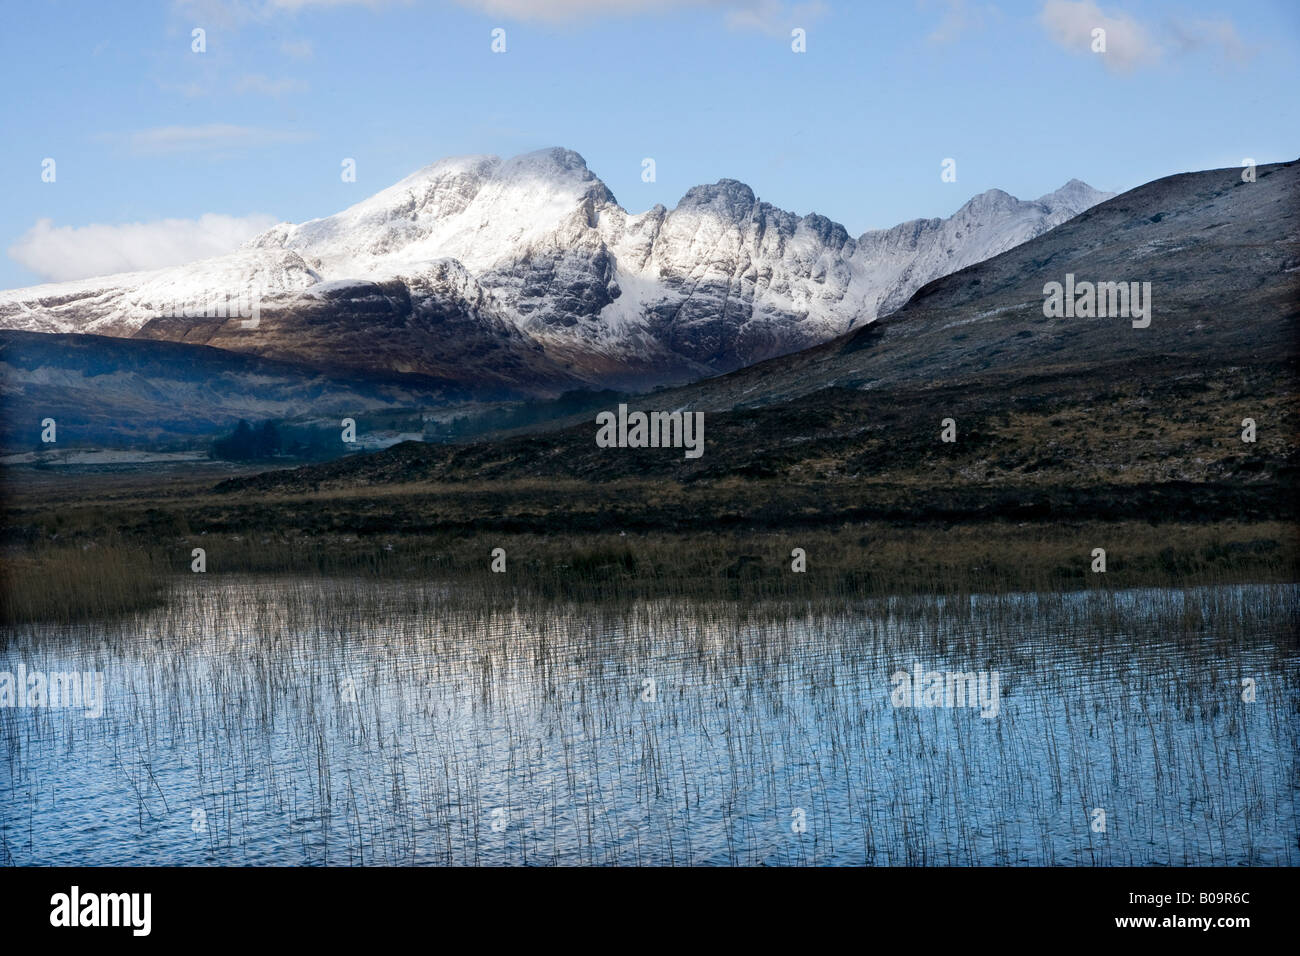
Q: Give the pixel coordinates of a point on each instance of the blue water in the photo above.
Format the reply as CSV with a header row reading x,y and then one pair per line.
x,y
255,722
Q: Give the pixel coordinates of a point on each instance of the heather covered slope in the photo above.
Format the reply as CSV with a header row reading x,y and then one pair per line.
x,y
1222,256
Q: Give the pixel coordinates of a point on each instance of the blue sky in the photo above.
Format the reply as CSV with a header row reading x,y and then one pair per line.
x,y
163,154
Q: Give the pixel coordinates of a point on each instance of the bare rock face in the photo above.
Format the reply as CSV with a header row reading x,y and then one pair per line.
x,y
527,274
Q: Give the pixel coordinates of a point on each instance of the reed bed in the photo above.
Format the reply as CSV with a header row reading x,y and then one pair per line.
x,y
93,580
86,581
357,722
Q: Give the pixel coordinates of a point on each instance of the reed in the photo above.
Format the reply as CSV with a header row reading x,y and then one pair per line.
x,y
354,721
89,580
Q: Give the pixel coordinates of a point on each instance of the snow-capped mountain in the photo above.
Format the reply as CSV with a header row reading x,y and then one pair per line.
x,y
527,271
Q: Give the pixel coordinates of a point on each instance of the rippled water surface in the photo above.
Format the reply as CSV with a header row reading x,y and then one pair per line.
x,y
352,723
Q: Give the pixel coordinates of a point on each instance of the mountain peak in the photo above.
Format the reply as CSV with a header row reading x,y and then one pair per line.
x,y
991,198
1076,196
536,247
553,159
728,192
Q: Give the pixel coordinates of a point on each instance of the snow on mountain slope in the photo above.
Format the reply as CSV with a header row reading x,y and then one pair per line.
x,y
896,262
545,256
120,304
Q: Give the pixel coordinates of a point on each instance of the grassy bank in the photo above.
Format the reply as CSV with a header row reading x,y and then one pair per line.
x,y
849,563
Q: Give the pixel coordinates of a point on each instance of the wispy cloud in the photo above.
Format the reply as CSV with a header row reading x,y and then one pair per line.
x,y
300,49
60,253
1132,44
1128,43
209,136
260,83
300,4
773,17
190,90
960,19
576,9
1217,36
232,13
220,13
768,16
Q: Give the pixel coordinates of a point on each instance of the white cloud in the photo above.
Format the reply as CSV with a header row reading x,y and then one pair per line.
x,y
572,9
233,13
210,136
1128,43
769,16
60,253
960,19
1131,44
